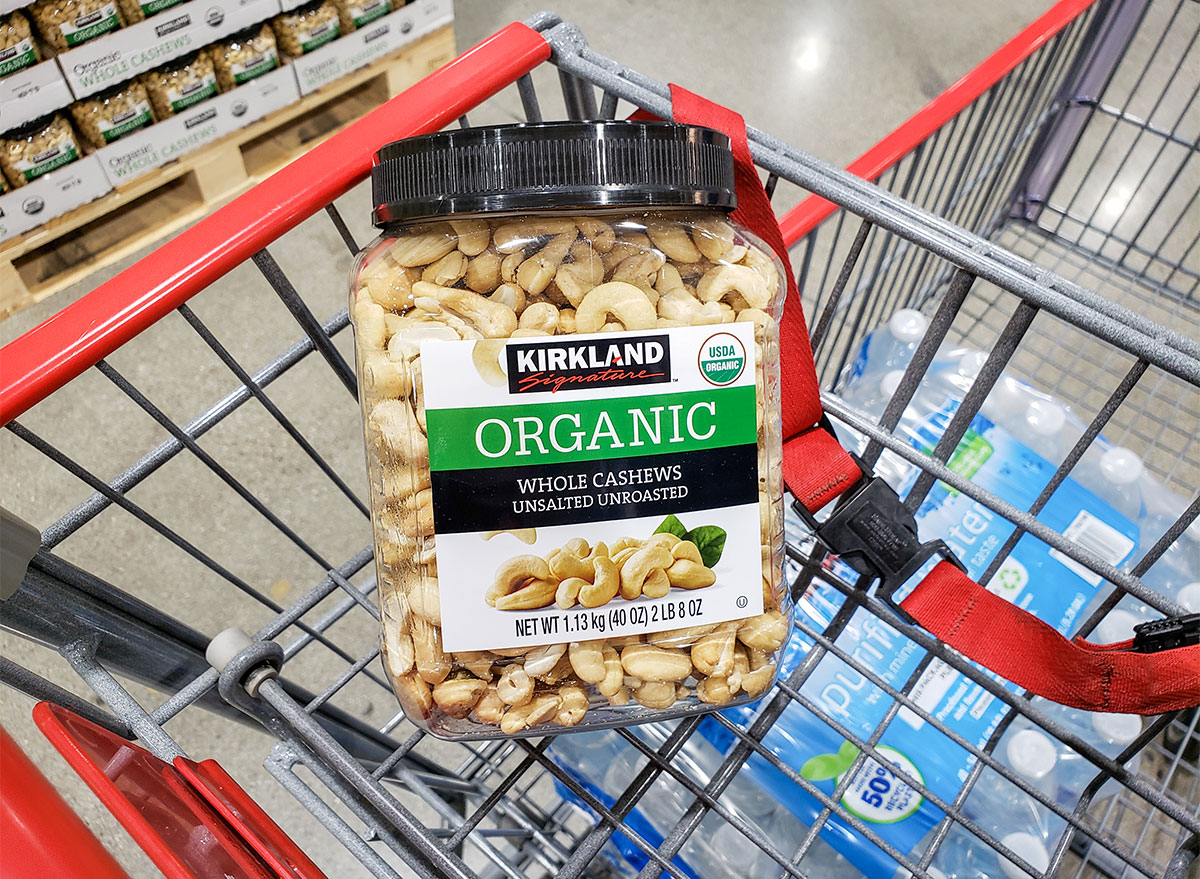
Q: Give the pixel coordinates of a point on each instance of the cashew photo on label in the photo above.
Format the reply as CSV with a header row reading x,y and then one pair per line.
x,y
492,280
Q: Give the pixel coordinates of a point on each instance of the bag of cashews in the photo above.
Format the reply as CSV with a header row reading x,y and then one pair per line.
x,y
568,366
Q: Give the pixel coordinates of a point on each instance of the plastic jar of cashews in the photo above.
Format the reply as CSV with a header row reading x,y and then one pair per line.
x,y
568,366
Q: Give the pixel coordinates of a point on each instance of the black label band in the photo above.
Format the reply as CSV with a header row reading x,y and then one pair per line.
x,y
594,491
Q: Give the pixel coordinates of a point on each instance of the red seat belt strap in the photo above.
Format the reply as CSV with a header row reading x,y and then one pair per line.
x,y
1021,648
977,623
807,449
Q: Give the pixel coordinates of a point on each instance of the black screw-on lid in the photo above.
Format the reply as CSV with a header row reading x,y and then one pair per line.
x,y
549,166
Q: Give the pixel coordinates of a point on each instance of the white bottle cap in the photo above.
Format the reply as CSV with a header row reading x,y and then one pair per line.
x,y
908,325
970,363
1117,626
1030,849
1045,417
1189,596
890,381
1121,466
1006,399
1120,729
1031,753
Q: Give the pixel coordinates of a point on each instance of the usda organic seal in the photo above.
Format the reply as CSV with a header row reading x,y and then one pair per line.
x,y
721,359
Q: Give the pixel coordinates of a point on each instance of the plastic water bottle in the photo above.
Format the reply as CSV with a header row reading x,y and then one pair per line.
x,y
1116,480
1005,405
1043,429
999,806
890,346
1110,734
1189,597
962,855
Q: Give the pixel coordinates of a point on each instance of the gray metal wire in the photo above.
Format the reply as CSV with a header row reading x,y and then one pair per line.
x,y
949,231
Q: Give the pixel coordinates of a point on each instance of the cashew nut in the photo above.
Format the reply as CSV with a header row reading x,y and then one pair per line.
x,y
573,704
510,296
540,316
514,236
687,574
424,600
638,566
491,318
625,302
538,710
540,660
767,631
515,686
606,583
490,707
532,595
525,535
673,240
432,664
473,235
483,273
422,248
723,280
652,663
446,270
536,273
514,573
457,696
587,660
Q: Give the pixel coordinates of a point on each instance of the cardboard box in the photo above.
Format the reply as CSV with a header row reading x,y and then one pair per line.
x,y
108,60
152,147
382,36
51,195
32,92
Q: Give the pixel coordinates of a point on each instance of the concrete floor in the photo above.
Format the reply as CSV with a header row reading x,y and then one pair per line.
x,y
831,76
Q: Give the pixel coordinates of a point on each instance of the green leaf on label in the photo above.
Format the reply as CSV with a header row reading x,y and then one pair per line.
x,y
821,767
671,525
710,540
848,753
826,766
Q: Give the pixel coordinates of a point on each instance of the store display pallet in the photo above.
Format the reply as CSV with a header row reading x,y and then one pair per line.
x,y
53,256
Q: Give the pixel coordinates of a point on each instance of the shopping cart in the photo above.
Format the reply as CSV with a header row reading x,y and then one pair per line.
x,y
989,210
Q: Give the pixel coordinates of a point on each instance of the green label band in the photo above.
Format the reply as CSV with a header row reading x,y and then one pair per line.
x,y
331,33
591,430
155,6
65,157
368,12
265,64
195,97
17,59
91,31
121,129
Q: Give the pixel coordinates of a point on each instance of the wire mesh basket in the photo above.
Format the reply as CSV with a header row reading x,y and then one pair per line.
x,y
1043,210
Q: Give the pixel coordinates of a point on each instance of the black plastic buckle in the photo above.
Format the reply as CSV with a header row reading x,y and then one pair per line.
x,y
872,531
1167,634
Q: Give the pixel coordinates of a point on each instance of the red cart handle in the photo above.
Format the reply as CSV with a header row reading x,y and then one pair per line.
x,y
871,527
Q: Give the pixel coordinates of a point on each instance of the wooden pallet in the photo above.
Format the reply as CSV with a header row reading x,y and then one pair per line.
x,y
69,248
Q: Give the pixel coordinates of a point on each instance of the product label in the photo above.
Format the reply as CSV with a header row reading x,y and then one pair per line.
x,y
244,71
364,13
90,25
192,93
17,57
156,6
47,160
137,116
319,35
606,438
